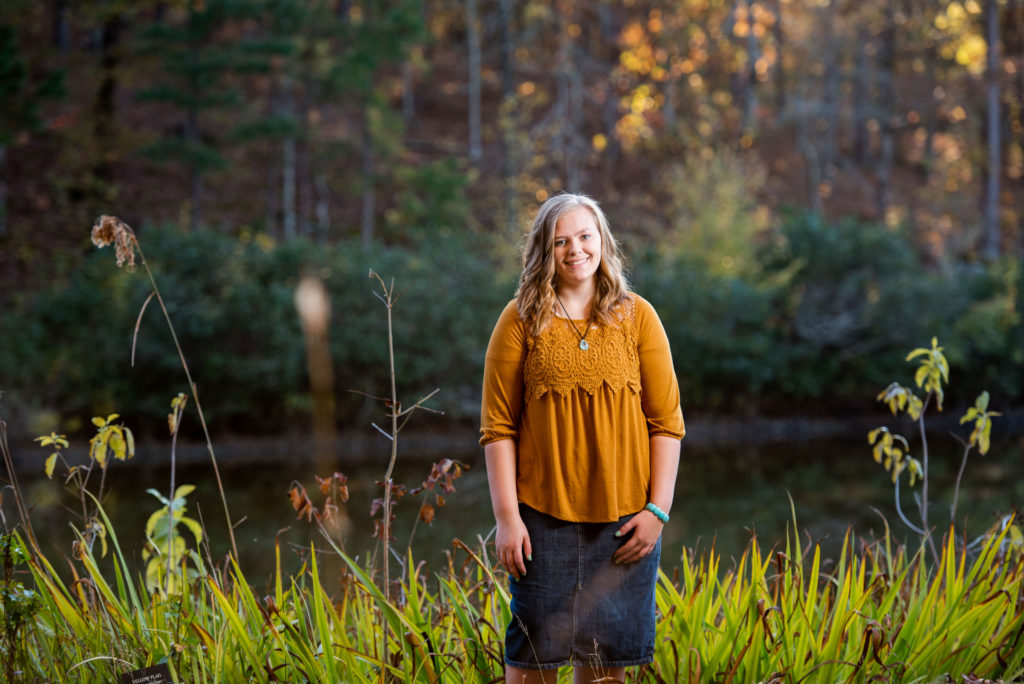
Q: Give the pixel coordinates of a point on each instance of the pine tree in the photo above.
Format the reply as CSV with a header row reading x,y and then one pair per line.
x,y
198,63
21,99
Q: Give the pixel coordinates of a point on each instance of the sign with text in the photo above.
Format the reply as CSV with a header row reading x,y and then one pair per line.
x,y
158,674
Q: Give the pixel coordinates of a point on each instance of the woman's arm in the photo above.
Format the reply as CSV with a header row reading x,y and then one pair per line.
x,y
512,541
645,526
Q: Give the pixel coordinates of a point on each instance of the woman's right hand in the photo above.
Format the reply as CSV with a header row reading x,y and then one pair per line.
x,y
512,542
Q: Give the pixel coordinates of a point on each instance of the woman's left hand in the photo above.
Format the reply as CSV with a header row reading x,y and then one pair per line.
x,y
646,529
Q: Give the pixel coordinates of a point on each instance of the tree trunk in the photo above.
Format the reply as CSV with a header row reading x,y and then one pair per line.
x,y
573,171
990,231
289,214
195,215
565,117
507,119
369,182
750,84
930,116
473,40
105,107
408,91
861,108
780,69
322,205
669,110
830,97
289,204
3,191
812,163
62,26
887,108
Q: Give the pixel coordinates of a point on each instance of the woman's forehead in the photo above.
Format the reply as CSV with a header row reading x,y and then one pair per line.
x,y
574,221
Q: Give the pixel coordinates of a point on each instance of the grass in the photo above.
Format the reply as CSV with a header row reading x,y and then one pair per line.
x,y
881,614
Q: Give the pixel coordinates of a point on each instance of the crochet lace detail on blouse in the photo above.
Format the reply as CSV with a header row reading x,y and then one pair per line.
x,y
555,362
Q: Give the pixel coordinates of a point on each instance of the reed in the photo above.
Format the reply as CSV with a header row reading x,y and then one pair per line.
x,y
882,614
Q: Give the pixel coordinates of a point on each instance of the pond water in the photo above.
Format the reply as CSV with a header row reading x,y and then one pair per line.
x,y
725,494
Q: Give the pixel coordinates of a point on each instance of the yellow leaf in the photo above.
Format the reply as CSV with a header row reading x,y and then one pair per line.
x,y
50,463
99,448
99,422
130,438
117,445
183,491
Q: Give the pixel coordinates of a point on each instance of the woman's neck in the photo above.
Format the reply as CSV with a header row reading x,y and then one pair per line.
x,y
577,300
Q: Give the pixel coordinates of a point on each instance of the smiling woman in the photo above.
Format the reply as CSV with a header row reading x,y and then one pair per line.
x,y
580,425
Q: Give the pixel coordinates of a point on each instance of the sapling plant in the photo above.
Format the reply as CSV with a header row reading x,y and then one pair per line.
x,y
112,440
893,450
439,482
166,550
398,417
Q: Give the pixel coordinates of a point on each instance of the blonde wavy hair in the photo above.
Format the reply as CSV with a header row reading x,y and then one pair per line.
x,y
535,296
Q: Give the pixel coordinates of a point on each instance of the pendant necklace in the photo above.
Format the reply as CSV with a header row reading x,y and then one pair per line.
x,y
584,345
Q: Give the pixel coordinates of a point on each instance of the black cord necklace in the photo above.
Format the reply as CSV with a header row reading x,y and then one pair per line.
x,y
584,345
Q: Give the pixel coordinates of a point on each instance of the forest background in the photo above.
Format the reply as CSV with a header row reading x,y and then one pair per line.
x,y
805,189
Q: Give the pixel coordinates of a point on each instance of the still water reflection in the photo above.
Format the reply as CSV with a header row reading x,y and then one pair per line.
x,y
724,495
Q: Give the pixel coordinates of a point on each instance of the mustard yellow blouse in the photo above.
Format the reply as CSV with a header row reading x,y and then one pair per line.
x,y
582,420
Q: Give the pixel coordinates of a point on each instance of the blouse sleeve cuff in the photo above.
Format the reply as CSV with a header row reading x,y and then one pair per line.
x,y
492,436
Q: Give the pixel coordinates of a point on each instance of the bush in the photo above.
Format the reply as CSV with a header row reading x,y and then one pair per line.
x,y
824,312
232,304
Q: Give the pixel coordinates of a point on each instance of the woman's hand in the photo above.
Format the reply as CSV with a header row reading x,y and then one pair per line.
x,y
512,542
646,529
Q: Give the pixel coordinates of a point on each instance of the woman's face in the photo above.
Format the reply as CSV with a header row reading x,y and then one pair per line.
x,y
577,248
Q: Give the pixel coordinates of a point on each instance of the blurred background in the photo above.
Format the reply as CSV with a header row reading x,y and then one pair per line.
x,y
805,189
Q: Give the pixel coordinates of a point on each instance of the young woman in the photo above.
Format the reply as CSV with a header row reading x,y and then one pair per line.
x,y
580,424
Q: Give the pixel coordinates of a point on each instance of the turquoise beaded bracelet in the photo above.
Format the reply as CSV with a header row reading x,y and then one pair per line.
x,y
662,515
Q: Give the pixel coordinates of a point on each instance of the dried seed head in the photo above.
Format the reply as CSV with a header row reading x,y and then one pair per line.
x,y
111,230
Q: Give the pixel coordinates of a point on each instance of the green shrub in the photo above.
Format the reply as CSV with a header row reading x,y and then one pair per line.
x,y
232,304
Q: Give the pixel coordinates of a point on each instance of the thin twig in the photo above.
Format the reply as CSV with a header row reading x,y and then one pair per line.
x,y
195,396
899,510
959,476
923,504
138,322
369,396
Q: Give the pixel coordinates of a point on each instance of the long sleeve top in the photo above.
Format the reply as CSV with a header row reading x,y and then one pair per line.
x,y
581,419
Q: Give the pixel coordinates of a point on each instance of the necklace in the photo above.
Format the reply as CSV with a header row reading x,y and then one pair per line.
x,y
584,345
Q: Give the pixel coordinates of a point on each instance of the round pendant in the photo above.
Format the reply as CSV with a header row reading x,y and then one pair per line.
x,y
584,345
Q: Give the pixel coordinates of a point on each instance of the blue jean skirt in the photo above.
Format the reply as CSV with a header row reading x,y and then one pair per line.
x,y
575,606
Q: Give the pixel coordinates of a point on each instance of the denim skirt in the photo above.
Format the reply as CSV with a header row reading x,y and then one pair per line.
x,y
574,605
